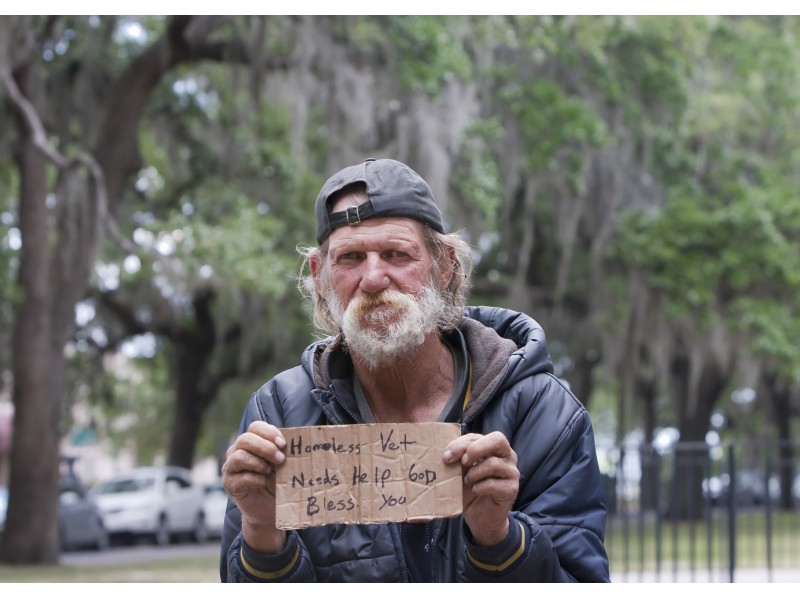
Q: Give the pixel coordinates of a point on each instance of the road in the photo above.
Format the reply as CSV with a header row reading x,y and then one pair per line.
x,y
119,554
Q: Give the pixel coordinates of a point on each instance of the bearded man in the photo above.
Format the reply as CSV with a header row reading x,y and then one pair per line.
x,y
388,286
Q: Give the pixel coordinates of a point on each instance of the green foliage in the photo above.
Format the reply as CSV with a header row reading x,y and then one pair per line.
x,y
142,415
581,109
736,260
428,49
724,244
223,417
641,69
651,64
237,208
242,249
773,331
554,126
699,254
477,179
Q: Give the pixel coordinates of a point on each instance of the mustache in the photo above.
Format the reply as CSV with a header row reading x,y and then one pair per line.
x,y
372,300
384,299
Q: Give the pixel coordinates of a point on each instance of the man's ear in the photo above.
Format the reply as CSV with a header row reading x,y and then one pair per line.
x,y
448,267
314,268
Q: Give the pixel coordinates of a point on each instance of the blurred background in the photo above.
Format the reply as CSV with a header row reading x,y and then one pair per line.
x,y
630,182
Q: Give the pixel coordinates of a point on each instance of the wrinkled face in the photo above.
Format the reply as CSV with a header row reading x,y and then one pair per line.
x,y
377,281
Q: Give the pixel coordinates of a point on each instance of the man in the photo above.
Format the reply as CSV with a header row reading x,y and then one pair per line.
x,y
387,283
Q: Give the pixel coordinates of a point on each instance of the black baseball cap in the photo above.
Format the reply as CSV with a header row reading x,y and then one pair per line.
x,y
393,190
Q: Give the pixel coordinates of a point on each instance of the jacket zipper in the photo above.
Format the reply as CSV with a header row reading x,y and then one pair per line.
x,y
427,548
352,416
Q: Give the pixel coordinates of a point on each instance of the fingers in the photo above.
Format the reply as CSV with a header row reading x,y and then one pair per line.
x,y
500,483
489,464
237,484
473,448
252,458
262,439
491,468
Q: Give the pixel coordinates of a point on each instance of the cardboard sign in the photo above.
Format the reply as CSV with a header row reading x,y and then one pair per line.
x,y
374,473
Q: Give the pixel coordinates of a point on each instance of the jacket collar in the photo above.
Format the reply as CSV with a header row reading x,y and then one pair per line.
x,y
486,352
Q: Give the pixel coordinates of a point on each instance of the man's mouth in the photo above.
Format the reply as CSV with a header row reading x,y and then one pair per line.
x,y
379,314
377,310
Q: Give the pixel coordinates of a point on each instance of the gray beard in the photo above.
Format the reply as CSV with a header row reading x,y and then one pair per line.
x,y
379,337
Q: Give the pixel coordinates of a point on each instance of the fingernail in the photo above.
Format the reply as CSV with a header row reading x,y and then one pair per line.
x,y
465,459
447,456
280,441
279,456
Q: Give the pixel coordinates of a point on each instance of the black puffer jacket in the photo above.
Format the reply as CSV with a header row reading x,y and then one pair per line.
x,y
560,502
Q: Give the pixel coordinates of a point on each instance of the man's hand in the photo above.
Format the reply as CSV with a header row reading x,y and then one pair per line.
x,y
248,477
491,483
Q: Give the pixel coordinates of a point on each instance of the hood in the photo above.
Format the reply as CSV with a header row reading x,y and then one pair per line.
x,y
506,347
521,329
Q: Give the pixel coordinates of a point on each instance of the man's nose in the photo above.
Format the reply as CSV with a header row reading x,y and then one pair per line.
x,y
374,278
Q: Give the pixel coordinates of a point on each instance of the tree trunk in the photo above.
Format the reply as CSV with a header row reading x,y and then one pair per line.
x,y
582,379
779,393
195,389
55,264
647,392
691,454
191,402
31,530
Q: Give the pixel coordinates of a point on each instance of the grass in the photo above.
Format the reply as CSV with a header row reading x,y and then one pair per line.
x,y
201,569
645,545
633,546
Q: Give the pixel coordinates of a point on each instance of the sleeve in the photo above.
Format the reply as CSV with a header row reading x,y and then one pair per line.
x,y
560,508
292,565
238,562
494,561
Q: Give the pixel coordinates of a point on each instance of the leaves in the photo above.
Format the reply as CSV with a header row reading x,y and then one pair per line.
x,y
595,161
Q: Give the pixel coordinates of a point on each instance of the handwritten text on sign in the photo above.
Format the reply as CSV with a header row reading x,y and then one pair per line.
x,y
373,473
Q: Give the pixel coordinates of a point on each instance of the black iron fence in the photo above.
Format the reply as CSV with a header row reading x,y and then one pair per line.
x,y
694,512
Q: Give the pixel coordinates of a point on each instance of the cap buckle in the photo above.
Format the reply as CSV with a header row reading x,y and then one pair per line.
x,y
352,211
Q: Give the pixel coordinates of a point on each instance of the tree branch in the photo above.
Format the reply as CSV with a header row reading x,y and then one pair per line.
x,y
41,141
31,116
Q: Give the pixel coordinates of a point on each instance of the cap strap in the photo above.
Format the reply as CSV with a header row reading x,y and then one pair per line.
x,y
352,216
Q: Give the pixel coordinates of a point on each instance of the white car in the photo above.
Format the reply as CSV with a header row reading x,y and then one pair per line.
x,y
216,501
157,502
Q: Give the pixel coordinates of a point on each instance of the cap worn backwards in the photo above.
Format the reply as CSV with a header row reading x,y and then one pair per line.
x,y
393,190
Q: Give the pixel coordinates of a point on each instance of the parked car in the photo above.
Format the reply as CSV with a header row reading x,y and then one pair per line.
x,y
3,506
157,502
216,500
80,522
752,489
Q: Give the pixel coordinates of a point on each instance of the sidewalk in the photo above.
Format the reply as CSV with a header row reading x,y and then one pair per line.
x,y
704,576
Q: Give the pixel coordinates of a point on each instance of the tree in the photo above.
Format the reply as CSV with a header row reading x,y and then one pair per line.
x,y
69,158
627,181
717,260
116,77
220,301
